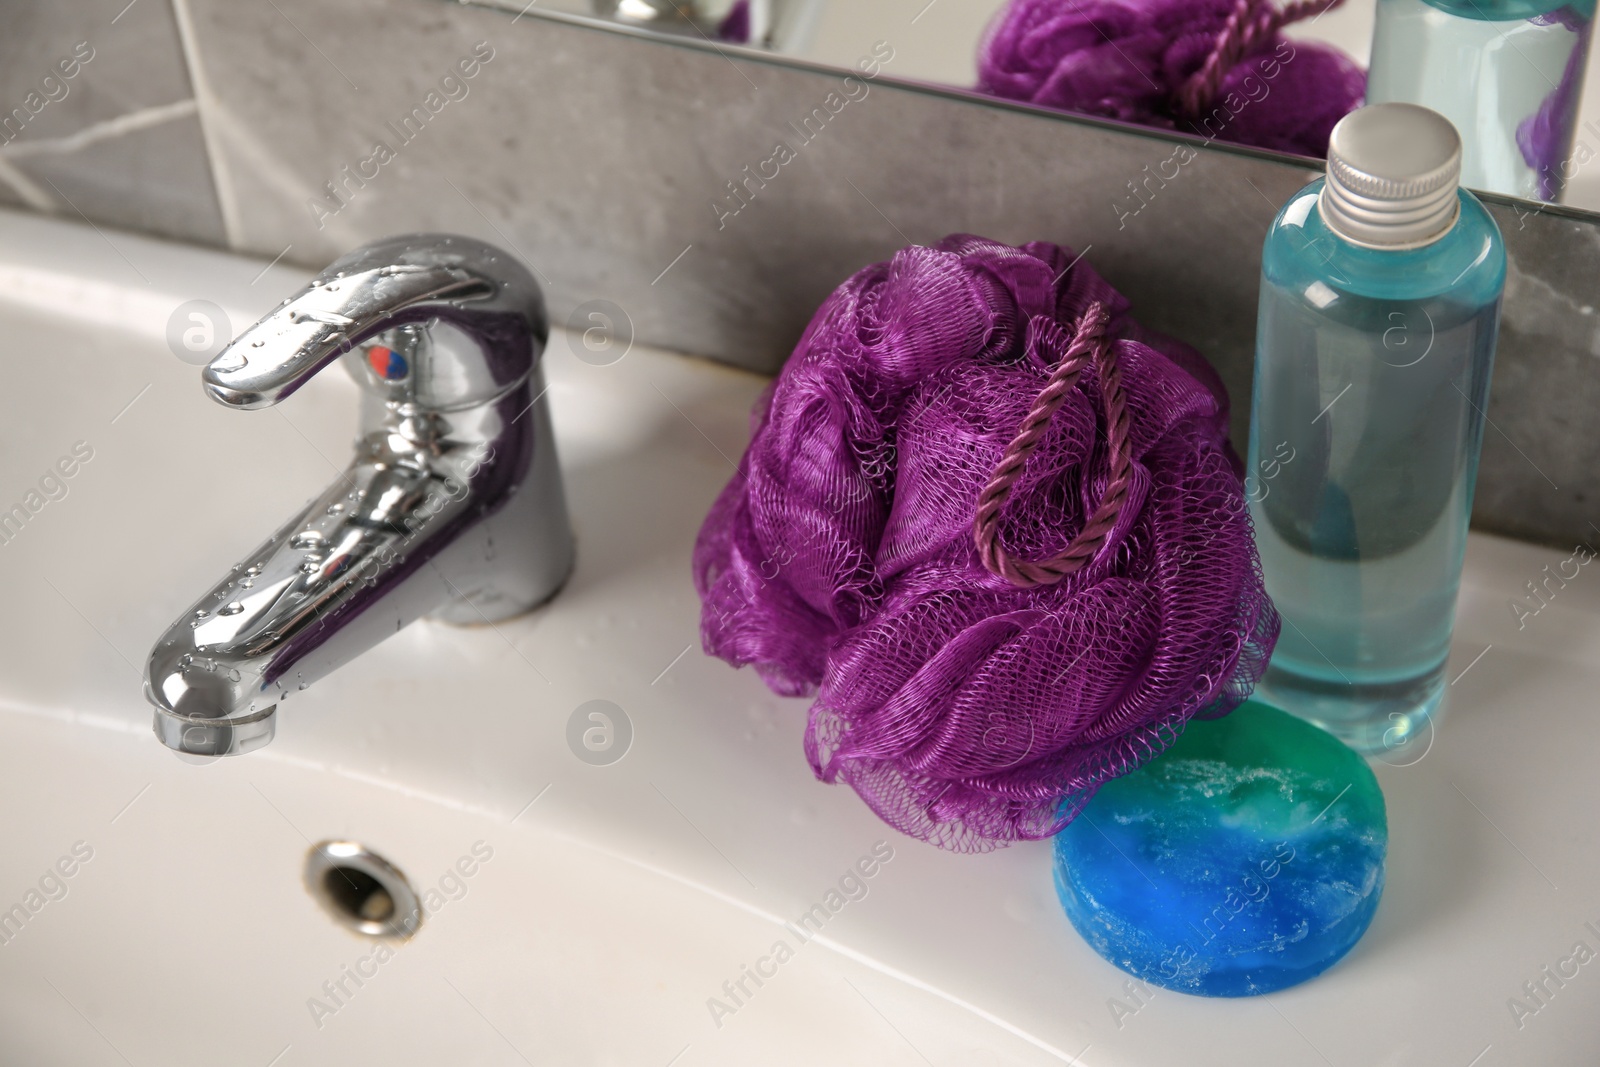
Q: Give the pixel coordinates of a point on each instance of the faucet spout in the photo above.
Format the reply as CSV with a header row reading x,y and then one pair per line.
x,y
452,507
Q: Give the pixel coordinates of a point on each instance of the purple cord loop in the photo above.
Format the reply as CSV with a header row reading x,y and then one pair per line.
x,y
1251,24
1088,344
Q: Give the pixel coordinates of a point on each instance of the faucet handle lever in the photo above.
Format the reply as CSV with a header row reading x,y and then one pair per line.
x,y
330,316
416,279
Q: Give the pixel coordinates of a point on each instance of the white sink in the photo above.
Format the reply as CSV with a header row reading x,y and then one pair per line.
x,y
619,899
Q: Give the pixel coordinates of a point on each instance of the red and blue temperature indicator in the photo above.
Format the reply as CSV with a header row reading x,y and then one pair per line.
x,y
387,364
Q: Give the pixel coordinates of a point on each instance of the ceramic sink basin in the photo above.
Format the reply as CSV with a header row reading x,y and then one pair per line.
x,y
625,905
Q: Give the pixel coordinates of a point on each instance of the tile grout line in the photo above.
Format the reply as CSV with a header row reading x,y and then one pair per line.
x,y
221,184
109,129
25,187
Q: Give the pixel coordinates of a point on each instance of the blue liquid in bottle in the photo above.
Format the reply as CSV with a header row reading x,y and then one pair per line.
x,y
1371,382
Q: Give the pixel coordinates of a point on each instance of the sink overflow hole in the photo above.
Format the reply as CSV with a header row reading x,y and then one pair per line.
x,y
361,890
358,894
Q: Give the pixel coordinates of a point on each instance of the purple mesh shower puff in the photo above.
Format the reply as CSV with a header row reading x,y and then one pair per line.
x,y
1129,60
841,559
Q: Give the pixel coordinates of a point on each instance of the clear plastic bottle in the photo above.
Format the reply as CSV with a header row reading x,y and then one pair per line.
x,y
1380,302
1507,73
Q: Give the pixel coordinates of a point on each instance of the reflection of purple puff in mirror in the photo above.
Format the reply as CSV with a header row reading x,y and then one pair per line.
x,y
1545,137
735,26
842,560
1216,68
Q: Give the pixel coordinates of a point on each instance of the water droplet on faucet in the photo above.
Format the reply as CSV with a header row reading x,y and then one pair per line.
x,y
323,318
232,609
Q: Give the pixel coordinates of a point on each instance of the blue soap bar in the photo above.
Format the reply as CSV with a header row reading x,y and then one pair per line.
x,y
1246,858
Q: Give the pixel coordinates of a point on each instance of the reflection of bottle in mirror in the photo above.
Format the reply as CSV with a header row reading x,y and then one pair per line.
x,y
1380,300
1508,73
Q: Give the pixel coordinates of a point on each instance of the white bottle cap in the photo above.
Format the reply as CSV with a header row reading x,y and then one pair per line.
x,y
1393,170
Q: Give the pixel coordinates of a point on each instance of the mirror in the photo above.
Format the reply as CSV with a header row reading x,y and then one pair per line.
x,y
1528,115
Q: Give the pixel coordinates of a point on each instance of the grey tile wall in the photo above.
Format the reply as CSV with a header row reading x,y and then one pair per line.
x,y
303,128
99,118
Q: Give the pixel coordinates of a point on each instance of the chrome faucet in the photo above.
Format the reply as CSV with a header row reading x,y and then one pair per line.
x,y
452,507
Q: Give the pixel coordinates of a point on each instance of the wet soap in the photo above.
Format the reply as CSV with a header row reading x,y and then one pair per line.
x,y
1246,858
